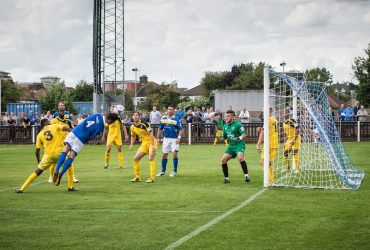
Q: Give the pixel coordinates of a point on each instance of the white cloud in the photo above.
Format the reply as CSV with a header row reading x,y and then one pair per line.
x,y
180,40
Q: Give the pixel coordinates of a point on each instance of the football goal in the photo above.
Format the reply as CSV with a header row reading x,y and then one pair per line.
x,y
310,152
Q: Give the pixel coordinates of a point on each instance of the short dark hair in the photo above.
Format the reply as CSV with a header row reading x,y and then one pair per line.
x,y
137,112
171,105
112,117
44,122
230,112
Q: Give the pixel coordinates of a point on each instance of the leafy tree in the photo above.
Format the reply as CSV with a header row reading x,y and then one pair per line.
x,y
55,93
361,69
83,92
161,96
10,92
129,103
200,102
212,81
319,75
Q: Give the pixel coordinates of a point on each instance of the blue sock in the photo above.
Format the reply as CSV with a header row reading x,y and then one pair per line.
x,y
61,160
175,162
164,163
67,164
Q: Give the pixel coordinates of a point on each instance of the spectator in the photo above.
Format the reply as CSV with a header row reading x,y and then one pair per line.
x,y
49,115
261,116
341,113
80,119
19,119
145,118
32,118
244,116
362,114
26,125
348,113
208,116
355,110
180,113
197,118
127,120
11,124
5,119
155,116
202,113
189,117
331,113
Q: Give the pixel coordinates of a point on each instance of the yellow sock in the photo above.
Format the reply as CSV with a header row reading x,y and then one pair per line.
x,y
215,141
70,173
52,169
120,158
107,155
287,161
296,161
137,169
272,176
226,142
30,179
152,169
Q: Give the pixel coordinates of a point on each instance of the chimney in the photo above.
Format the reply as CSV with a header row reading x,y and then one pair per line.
x,y
143,80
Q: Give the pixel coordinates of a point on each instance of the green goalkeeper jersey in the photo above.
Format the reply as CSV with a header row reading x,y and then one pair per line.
x,y
231,131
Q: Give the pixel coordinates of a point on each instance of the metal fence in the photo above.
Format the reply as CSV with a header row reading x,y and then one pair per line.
x,y
193,133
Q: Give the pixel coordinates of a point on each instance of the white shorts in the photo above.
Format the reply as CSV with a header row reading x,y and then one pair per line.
x,y
169,145
74,143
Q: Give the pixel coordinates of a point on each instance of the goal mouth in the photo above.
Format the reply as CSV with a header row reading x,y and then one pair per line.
x,y
310,153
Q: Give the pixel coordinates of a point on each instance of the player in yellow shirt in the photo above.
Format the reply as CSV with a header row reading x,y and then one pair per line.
x,y
63,118
148,146
114,131
49,136
273,147
293,140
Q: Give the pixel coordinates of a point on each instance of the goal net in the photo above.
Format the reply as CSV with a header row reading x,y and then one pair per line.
x,y
310,153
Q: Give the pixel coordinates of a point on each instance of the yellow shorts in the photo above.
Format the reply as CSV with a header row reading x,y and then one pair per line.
x,y
114,140
147,147
296,146
48,160
218,133
272,154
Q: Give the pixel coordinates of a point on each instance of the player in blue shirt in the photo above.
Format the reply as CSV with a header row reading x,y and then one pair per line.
x,y
77,138
170,127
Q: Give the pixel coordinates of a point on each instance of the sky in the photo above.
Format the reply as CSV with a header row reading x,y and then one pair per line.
x,y
180,40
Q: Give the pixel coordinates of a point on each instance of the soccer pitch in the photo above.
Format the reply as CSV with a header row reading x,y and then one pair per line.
x,y
110,212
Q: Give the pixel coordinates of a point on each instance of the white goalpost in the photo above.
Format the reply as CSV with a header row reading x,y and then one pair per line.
x,y
320,161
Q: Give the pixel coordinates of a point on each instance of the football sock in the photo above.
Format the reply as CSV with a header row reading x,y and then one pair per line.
x,y
243,164
137,169
215,141
226,142
70,173
61,160
30,179
106,158
66,165
52,169
296,161
152,169
72,169
287,161
225,169
272,176
175,163
164,163
120,158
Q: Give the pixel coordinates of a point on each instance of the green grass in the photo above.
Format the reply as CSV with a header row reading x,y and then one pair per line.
x,y
110,212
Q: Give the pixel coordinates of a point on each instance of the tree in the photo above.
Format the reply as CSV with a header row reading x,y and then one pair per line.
x,y
83,92
319,75
161,96
55,93
361,70
10,92
212,81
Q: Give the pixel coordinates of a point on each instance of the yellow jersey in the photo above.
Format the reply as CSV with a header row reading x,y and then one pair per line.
x,y
114,128
64,122
142,129
290,128
50,137
273,127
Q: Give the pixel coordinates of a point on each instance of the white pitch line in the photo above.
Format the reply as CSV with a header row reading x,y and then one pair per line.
x,y
215,220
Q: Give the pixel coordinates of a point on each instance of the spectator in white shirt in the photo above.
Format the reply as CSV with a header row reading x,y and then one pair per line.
x,y
244,116
155,116
362,114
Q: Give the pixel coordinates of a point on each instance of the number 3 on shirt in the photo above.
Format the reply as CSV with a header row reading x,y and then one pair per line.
x,y
89,123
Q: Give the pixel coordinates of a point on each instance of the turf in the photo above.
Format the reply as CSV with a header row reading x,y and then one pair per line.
x,y
110,212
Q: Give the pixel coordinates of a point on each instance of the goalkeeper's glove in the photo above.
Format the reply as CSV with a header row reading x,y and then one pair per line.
x,y
238,138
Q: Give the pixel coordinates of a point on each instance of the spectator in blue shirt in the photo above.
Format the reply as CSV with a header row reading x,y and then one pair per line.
x,y
349,114
32,118
341,113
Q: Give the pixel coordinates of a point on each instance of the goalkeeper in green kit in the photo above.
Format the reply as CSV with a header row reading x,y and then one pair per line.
x,y
235,134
